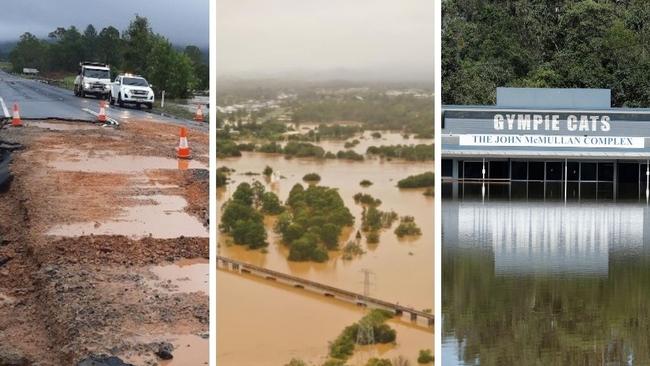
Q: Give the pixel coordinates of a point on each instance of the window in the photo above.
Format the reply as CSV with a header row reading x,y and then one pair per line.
x,y
135,82
536,170
588,171
519,170
97,73
554,170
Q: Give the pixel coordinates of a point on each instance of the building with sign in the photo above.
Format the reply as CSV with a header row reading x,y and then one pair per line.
x,y
570,142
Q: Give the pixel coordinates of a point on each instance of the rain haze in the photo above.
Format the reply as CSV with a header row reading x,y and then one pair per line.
x,y
361,39
183,23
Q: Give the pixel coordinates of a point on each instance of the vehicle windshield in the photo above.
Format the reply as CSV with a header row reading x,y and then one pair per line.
x,y
97,73
135,81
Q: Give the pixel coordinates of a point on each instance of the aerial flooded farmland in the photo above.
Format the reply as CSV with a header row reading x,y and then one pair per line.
x,y
309,174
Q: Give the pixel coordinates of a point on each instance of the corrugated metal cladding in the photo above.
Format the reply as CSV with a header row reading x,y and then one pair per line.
x,y
553,123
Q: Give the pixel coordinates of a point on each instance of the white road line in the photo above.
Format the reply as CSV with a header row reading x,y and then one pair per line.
x,y
4,108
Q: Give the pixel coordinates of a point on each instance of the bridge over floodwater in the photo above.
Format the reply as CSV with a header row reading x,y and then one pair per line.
x,y
326,290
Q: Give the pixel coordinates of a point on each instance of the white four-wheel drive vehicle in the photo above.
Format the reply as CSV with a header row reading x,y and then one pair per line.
x,y
131,89
93,79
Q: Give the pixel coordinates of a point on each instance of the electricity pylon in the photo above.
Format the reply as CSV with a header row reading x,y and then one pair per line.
x,y
366,333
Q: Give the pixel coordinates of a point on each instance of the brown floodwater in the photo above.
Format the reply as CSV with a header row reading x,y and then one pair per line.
x,y
366,140
159,216
63,126
189,350
260,323
108,162
403,268
185,275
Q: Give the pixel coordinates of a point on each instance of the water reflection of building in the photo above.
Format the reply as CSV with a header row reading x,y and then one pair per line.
x,y
571,139
545,237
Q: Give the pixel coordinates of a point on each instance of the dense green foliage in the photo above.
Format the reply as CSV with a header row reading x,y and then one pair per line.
x,y
417,181
303,150
343,346
271,148
138,50
311,177
268,171
379,362
227,148
338,131
242,220
425,357
420,152
374,219
407,227
366,199
349,155
222,179
561,43
271,204
313,223
351,144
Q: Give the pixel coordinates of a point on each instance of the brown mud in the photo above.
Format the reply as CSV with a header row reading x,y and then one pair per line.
x,y
64,298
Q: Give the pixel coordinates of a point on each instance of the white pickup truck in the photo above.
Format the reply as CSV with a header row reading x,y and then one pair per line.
x,y
131,89
93,78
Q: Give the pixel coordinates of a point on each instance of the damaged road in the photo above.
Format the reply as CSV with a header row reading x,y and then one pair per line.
x,y
91,271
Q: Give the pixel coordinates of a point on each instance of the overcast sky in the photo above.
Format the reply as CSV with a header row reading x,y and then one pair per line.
x,y
182,22
283,36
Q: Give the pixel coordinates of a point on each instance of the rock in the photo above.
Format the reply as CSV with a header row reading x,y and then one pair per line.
x,y
165,350
103,360
10,356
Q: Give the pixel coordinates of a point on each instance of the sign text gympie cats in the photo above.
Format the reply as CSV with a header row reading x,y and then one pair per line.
x,y
551,122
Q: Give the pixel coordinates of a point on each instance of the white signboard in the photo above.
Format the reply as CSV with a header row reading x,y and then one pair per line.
x,y
553,141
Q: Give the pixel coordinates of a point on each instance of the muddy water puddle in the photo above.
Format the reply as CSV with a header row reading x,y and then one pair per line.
x,y
107,162
186,276
307,322
189,350
159,216
63,126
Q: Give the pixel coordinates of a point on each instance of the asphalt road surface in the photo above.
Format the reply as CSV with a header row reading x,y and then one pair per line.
x,y
38,100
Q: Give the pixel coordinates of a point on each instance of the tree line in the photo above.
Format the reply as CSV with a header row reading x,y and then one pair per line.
x,y
535,43
137,50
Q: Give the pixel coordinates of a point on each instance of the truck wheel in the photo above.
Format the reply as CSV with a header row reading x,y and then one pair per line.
x,y
120,101
149,106
111,100
82,93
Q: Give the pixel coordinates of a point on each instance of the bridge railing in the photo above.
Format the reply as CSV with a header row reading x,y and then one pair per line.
x,y
329,288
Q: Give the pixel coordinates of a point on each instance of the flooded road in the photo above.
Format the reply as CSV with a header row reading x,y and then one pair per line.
x,y
544,281
389,260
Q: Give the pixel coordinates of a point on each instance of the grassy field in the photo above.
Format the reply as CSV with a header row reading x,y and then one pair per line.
x,y
5,66
173,108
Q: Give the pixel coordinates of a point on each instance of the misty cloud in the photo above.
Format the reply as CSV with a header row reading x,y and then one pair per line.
x,y
306,36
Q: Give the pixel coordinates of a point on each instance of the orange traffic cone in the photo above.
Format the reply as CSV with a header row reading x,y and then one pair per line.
x,y
101,117
183,149
15,120
199,114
